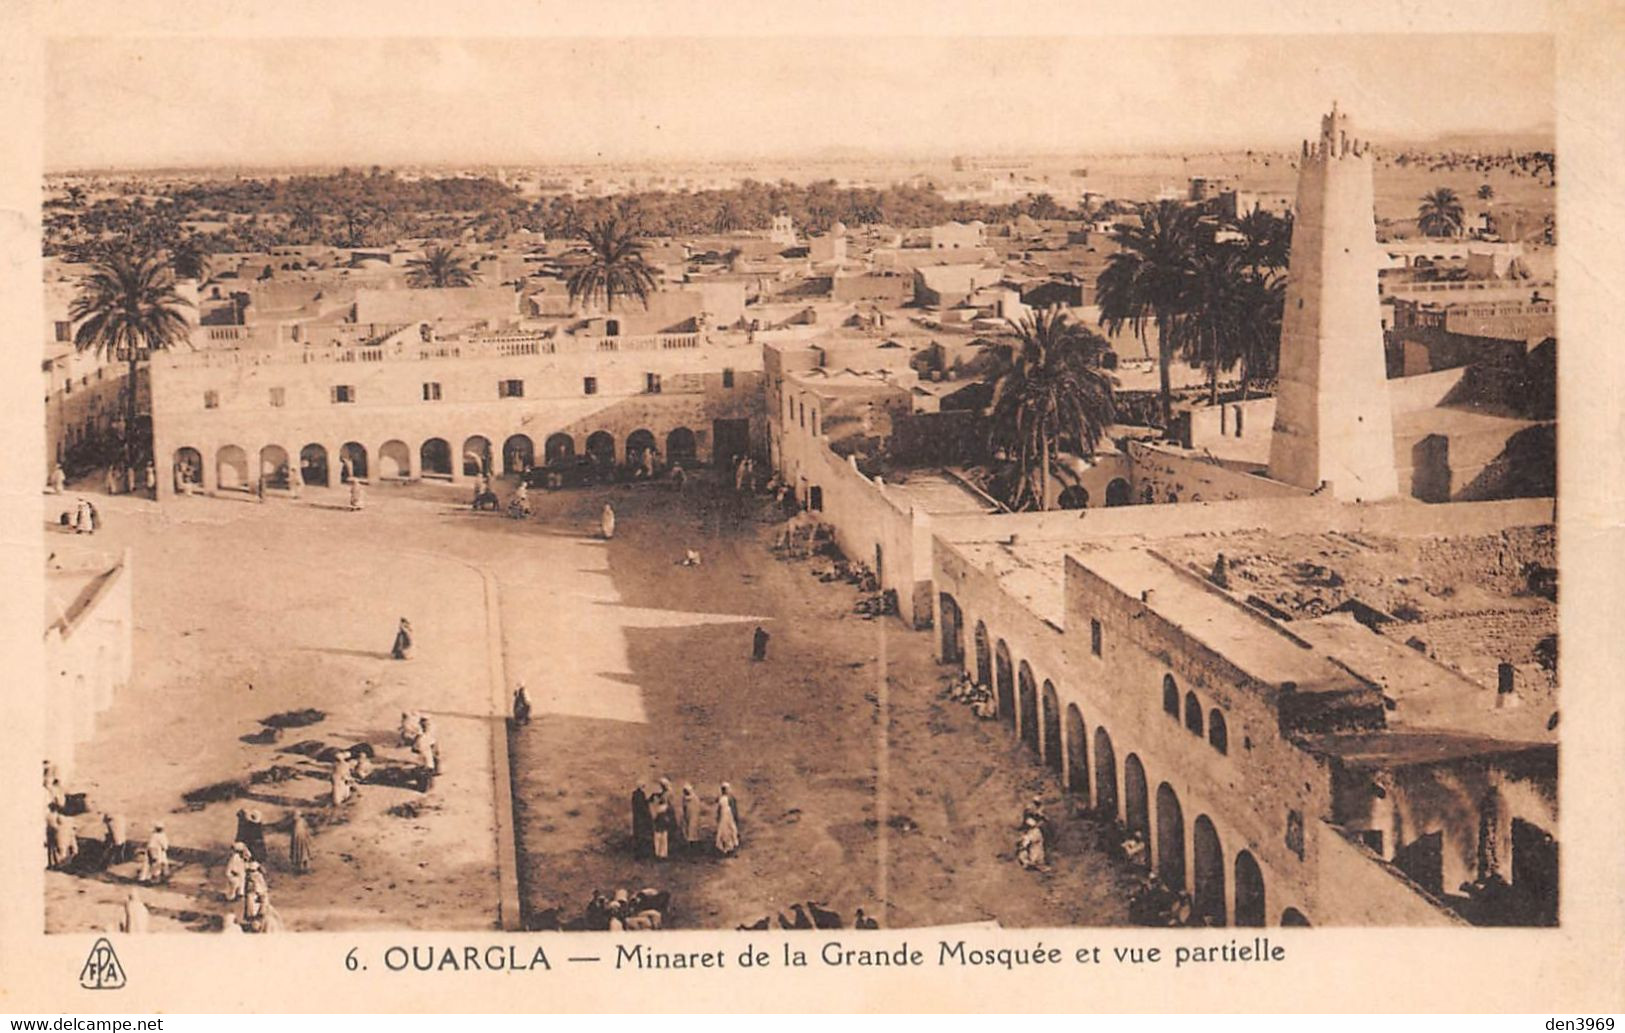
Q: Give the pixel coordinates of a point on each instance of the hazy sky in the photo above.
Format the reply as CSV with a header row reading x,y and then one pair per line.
x,y
289,101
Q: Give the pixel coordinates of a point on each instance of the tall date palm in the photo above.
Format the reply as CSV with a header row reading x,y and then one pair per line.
x,y
615,267
127,308
1147,281
1049,394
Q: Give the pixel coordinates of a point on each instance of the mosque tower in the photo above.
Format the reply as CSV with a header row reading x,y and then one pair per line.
x,y
1333,423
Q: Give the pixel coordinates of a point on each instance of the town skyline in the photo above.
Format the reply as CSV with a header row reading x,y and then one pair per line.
x,y
418,102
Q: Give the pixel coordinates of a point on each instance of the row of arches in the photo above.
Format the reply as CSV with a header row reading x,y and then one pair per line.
x,y
1186,856
394,459
1217,729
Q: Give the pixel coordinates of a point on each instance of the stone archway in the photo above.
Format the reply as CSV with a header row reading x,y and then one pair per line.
x,y
601,447
231,468
394,460
952,631
353,461
1118,493
984,657
1051,726
274,466
1027,716
1170,696
1136,800
637,443
1105,776
1207,896
681,447
1250,907
1170,838
1006,678
1077,754
188,467
1193,714
476,456
558,447
313,465
518,454
434,458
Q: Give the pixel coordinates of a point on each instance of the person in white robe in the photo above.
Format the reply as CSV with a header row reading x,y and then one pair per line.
x,y
136,919
727,839
236,871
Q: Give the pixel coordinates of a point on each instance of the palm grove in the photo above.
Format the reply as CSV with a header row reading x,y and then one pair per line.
x,y
1209,292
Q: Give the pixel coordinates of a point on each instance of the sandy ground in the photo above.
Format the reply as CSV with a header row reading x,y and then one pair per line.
x,y
244,611
857,784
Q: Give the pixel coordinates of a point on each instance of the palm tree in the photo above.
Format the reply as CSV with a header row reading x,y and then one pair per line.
x,y
127,308
1049,393
190,259
615,267
1147,281
1440,214
304,218
440,266
728,218
1267,239
1211,305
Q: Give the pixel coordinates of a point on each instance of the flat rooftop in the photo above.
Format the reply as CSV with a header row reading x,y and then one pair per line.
x,y
938,493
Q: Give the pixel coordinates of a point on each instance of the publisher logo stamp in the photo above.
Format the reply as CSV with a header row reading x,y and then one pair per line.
x,y
102,970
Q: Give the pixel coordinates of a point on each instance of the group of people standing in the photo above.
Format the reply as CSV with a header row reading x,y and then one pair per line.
x,y
125,480
662,815
245,872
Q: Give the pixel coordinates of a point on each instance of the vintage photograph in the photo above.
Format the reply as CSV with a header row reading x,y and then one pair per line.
x,y
711,484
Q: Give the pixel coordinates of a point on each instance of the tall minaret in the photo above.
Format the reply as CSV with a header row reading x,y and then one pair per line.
x,y
1332,418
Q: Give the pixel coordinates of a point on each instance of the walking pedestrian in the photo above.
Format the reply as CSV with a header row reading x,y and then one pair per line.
x,y
727,839
299,844
402,649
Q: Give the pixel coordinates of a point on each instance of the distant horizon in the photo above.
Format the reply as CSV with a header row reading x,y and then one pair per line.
x,y
815,157
214,102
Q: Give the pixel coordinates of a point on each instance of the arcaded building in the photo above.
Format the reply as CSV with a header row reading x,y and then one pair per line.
x,y
417,400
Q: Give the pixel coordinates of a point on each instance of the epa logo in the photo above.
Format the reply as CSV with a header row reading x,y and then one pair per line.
x,y
102,970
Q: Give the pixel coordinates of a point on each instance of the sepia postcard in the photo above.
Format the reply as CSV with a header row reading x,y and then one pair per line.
x,y
957,508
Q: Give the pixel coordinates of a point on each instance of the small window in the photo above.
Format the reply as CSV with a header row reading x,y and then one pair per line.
x,y
343,394
801,409
1170,697
67,388
815,421
211,399
510,389
651,383
1193,714
727,378
815,498
589,385
431,391
279,397
1218,736
1094,637
64,331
